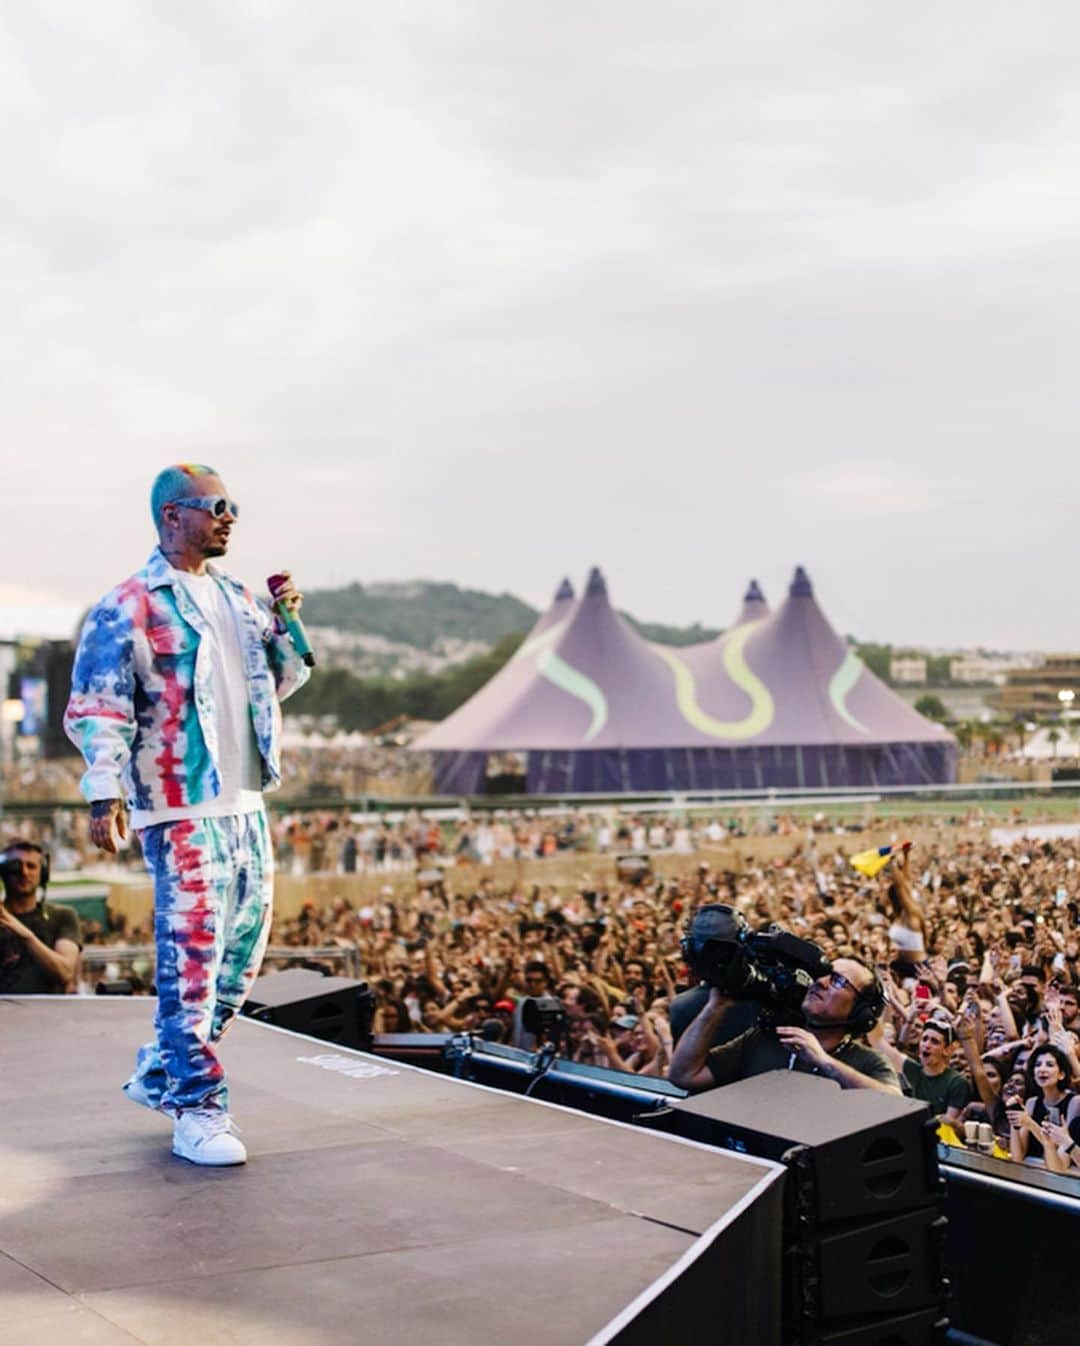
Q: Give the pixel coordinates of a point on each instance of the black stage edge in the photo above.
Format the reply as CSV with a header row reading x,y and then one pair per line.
x,y
1013,1253
381,1204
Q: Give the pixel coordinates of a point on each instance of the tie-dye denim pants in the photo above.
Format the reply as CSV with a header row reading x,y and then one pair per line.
x,y
213,887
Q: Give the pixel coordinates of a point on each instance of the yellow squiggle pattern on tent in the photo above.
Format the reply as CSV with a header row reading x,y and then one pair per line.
x,y
762,709
567,678
841,684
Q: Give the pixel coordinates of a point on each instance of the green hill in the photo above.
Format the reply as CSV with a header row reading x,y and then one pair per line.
x,y
422,613
364,703
672,635
419,614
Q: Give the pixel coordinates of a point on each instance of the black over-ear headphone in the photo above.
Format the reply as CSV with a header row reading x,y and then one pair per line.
x,y
869,1003
21,844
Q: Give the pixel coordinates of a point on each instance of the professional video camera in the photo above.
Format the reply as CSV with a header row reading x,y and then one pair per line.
x,y
772,966
545,1017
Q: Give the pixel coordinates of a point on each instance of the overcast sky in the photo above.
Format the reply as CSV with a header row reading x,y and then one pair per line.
x,y
492,292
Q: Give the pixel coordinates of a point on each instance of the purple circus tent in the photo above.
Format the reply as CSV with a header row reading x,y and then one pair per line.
x,y
778,702
754,606
501,698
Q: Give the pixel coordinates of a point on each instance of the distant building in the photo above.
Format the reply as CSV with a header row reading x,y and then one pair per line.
x,y
907,668
980,669
374,656
1031,693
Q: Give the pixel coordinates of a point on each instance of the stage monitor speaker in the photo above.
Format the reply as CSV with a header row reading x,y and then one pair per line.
x,y
334,1009
875,1267
427,1050
593,1089
926,1327
855,1152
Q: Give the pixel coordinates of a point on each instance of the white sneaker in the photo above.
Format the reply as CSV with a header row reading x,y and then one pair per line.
x,y
206,1136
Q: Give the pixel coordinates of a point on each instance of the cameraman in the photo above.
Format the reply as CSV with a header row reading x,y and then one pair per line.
x,y
39,942
825,1046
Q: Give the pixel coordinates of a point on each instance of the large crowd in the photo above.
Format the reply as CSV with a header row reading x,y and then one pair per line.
x,y
315,769
336,840
977,944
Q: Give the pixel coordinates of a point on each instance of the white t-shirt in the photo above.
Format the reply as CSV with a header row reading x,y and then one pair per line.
x,y
905,939
238,753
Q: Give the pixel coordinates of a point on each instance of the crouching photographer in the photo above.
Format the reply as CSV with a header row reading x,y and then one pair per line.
x,y
812,1015
40,942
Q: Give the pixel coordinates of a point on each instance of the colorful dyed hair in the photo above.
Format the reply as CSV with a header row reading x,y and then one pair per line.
x,y
176,483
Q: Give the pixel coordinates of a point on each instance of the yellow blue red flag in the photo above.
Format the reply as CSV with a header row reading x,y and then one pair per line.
x,y
872,862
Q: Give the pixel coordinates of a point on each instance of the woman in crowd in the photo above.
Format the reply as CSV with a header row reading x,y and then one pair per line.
x,y
1049,1100
907,928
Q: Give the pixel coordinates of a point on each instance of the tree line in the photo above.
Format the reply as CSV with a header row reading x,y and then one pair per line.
x,y
878,659
366,703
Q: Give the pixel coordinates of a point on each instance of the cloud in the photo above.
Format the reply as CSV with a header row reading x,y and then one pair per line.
x,y
446,295
853,491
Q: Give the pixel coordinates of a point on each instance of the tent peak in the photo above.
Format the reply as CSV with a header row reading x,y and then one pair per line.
x,y
564,591
595,584
754,594
800,584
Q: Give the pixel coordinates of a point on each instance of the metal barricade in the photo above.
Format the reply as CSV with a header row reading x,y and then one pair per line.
x,y
97,957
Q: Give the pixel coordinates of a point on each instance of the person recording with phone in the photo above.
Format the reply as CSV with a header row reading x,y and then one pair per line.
x,y
834,1011
1039,1128
40,942
173,705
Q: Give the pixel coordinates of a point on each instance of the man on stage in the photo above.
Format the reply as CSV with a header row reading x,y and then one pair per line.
x,y
174,707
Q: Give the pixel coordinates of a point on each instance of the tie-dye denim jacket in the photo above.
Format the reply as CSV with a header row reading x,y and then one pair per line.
x,y
142,711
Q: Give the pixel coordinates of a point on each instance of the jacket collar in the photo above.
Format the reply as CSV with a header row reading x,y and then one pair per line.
x,y
160,573
158,570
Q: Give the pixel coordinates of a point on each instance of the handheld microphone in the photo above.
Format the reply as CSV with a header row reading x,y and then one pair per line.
x,y
294,627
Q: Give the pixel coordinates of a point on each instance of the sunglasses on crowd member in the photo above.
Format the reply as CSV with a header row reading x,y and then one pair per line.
x,y
941,1025
217,505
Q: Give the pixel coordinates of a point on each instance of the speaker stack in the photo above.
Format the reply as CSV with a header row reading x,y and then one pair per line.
x,y
864,1230
335,1009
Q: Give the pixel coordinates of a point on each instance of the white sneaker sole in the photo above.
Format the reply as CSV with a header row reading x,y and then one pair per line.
x,y
205,1160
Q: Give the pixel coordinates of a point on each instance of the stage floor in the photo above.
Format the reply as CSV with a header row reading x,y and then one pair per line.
x,y
390,1205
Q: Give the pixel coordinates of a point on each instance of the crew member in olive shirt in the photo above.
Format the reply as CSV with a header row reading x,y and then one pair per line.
x,y
39,943
826,1044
